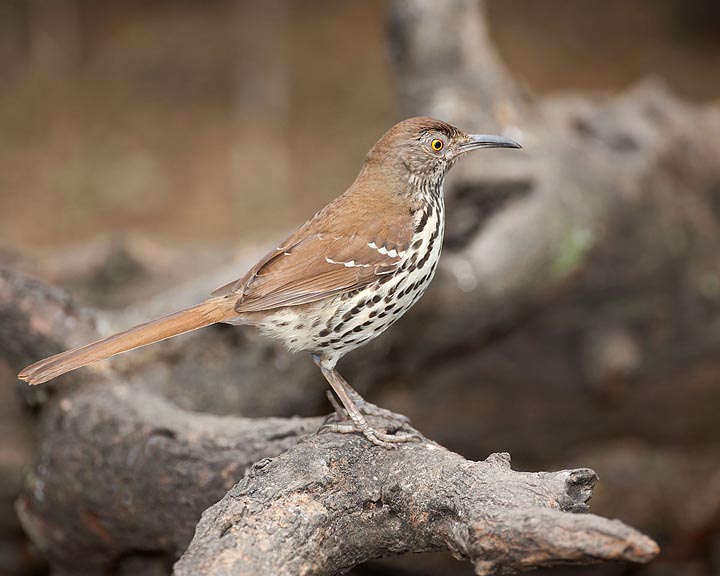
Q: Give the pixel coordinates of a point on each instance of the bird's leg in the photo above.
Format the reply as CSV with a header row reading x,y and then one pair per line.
x,y
340,412
360,424
365,407
370,409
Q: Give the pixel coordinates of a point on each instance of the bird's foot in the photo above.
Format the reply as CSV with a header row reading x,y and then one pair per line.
x,y
370,409
366,408
375,436
360,424
354,408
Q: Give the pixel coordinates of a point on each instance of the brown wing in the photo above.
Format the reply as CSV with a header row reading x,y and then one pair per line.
x,y
314,268
358,237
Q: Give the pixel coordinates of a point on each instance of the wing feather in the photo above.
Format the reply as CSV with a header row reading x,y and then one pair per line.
x,y
320,266
359,237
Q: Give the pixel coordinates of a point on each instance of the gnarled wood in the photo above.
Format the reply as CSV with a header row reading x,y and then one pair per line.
x,y
330,503
122,471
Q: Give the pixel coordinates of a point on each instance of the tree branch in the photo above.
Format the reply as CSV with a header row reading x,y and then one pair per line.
x,y
445,65
332,502
123,470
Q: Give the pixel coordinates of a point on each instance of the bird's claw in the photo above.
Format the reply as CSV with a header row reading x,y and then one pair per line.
x,y
366,408
377,437
369,409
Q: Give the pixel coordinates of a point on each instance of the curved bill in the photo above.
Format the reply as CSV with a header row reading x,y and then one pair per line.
x,y
476,141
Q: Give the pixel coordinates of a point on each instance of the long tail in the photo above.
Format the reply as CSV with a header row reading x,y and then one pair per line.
x,y
209,312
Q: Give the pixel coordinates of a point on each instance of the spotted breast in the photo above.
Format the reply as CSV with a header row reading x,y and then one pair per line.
x,y
354,318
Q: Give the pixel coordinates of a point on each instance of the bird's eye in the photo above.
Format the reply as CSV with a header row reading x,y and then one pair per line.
x,y
437,144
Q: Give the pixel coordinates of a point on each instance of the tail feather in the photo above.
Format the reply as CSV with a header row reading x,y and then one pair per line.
x,y
209,312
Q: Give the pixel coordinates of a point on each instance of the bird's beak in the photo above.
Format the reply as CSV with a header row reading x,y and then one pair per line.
x,y
476,141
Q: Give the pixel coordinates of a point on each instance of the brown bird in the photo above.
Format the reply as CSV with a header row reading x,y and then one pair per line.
x,y
342,278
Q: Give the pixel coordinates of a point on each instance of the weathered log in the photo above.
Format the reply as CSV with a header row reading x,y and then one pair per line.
x,y
330,503
122,470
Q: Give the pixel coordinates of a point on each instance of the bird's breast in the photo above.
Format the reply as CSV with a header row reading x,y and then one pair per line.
x,y
355,318
337,325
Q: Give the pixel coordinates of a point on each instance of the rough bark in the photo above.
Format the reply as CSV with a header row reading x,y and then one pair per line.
x,y
330,503
122,472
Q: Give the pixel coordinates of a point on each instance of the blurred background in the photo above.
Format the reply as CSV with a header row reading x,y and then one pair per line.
x,y
163,118
145,144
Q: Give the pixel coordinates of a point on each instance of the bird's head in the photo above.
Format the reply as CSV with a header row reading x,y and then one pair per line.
x,y
427,148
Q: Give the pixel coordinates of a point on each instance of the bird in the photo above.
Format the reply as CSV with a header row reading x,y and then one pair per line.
x,y
338,281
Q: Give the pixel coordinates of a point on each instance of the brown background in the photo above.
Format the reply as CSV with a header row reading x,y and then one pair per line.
x,y
222,121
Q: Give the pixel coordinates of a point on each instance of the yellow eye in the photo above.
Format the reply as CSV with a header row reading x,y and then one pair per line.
x,y
437,145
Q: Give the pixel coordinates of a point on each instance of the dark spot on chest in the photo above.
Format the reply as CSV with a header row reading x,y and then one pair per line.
x,y
423,221
425,258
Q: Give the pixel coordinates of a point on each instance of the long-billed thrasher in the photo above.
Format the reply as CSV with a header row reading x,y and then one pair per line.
x,y
342,278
